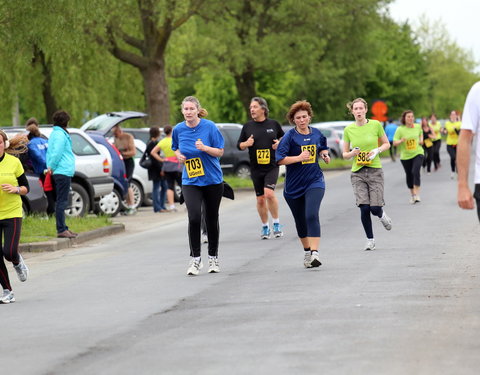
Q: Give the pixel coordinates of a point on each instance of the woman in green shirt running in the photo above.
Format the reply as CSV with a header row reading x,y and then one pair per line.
x,y
361,140
409,138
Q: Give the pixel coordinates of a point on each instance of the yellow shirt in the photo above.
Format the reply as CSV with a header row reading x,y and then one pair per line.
x,y
452,135
166,146
437,128
10,204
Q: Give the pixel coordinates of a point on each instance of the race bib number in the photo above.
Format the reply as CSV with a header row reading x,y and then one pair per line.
x,y
263,156
411,144
428,143
312,149
194,167
362,158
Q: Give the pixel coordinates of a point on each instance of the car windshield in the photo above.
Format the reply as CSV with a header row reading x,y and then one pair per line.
x,y
102,122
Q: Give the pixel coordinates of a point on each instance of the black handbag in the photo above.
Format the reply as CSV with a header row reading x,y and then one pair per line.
x,y
146,161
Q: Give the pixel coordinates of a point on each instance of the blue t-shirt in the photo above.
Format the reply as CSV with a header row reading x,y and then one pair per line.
x,y
390,131
302,177
204,168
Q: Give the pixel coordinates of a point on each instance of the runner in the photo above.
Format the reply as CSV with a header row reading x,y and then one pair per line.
x,y
470,130
452,129
13,183
428,136
437,141
410,138
304,185
199,145
361,141
261,136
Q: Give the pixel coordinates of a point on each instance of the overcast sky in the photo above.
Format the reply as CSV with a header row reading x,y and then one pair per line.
x,y
461,17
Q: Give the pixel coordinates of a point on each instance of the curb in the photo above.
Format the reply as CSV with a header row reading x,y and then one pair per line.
x,y
65,243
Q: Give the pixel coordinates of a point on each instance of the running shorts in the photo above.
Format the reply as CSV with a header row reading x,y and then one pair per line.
x,y
264,179
367,186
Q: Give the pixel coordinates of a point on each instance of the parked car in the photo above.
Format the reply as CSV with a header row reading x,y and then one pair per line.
x,y
35,202
334,139
92,177
111,204
104,123
233,161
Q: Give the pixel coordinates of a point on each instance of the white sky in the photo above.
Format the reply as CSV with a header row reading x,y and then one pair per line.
x,y
461,18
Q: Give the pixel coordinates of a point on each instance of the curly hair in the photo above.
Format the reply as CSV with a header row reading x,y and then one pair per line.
x,y
17,144
301,105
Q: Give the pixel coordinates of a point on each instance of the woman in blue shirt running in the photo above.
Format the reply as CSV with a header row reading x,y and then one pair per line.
x,y
198,144
304,188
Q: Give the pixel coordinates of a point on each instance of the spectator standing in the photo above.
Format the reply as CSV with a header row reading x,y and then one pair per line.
x,y
156,174
390,130
126,145
37,152
61,164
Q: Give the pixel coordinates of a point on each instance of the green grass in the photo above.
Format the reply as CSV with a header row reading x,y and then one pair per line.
x,y
38,228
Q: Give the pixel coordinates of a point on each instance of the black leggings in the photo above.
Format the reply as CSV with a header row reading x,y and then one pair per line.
x,y
10,230
427,160
305,211
365,210
412,170
210,195
452,151
436,153
173,177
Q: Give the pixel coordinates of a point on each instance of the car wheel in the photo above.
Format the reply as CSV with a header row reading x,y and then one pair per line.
x,y
109,204
138,195
80,201
243,171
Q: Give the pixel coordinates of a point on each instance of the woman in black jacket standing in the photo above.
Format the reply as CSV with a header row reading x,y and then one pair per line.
x,y
155,173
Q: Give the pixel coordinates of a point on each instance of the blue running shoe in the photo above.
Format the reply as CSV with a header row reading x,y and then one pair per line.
x,y
277,230
265,233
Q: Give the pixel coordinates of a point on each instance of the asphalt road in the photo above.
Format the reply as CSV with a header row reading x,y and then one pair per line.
x,y
124,305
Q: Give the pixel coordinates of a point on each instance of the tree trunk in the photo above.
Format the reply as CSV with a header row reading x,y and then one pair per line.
x,y
47,92
156,93
245,83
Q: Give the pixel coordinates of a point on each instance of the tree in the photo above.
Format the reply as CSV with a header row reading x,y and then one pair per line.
x,y
142,42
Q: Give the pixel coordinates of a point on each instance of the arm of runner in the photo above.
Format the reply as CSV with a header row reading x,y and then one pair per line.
x,y
347,153
248,143
304,156
212,151
464,195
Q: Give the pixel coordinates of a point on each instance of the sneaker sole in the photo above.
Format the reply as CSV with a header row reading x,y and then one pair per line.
x,y
265,237
370,249
278,235
213,271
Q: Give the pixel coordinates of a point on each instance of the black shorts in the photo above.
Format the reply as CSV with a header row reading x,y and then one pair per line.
x,y
129,167
264,179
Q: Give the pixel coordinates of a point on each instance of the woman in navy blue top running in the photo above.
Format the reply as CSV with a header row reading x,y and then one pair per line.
x,y
198,144
304,188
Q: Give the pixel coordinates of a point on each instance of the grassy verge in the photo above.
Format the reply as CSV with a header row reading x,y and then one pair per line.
x,y
38,228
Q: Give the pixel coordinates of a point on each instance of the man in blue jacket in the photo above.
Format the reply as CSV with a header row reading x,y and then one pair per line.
x,y
61,163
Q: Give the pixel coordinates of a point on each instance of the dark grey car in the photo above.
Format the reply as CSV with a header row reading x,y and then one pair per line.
x,y
35,201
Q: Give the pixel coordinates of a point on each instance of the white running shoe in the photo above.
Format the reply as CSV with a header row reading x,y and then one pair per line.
x,y
370,244
194,267
386,221
213,266
204,238
315,259
307,260
412,199
22,269
7,297
417,199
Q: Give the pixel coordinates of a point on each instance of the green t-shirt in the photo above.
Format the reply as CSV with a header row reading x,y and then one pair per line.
x,y
10,204
452,135
411,147
366,138
437,128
